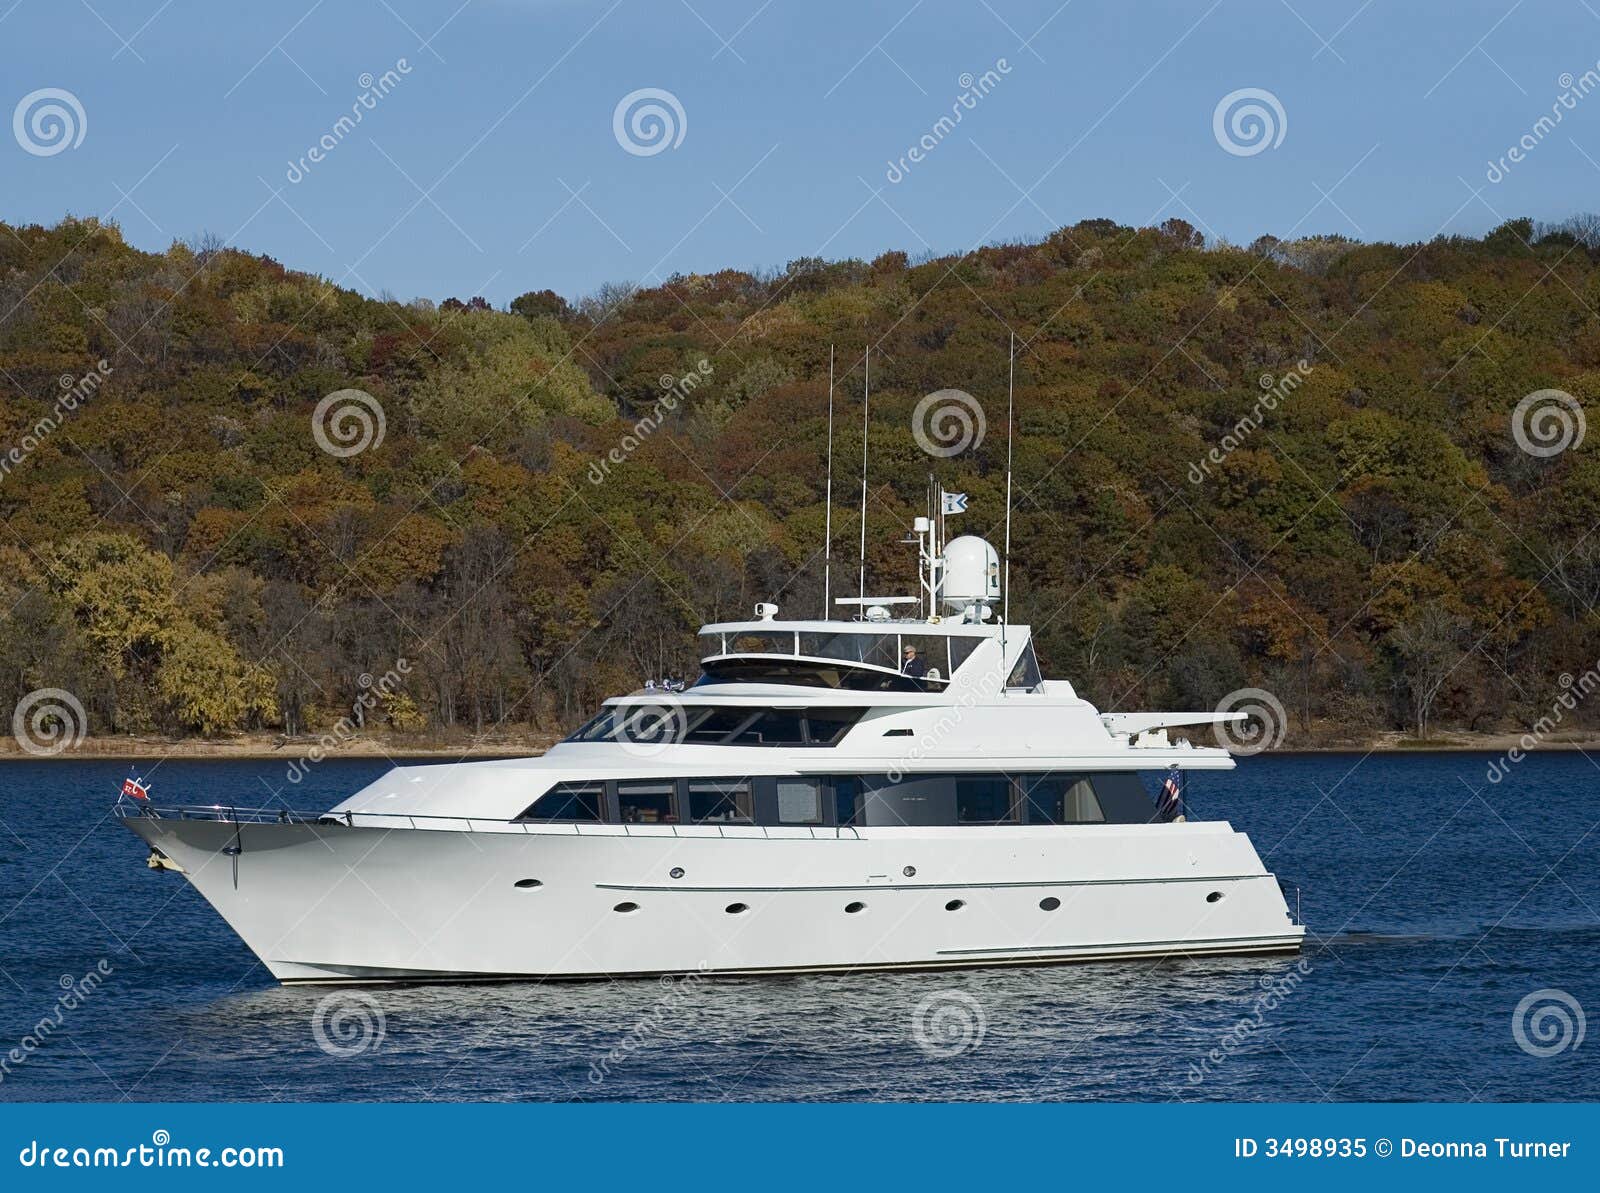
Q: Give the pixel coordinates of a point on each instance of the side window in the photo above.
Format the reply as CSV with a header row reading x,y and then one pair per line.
x,y
847,800
568,801
825,726
1123,798
983,799
775,727
712,728
645,802
1061,799
720,801
961,648
799,801
1026,672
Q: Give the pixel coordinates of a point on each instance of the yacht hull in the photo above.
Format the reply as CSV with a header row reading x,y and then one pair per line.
x,y
329,902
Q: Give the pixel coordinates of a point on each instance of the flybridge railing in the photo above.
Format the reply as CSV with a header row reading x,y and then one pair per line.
x,y
227,814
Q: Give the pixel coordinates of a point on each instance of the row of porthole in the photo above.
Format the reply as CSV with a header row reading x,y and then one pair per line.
x,y
1048,903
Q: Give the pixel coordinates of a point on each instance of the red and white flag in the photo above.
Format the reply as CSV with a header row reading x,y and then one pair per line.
x,y
133,787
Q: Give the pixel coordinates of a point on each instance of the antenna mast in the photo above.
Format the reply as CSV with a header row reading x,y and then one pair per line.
x,y
866,396
827,521
1005,595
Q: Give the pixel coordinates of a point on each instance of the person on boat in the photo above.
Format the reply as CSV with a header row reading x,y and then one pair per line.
x,y
913,666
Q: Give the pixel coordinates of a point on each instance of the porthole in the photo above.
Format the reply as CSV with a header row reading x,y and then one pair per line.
x,y
527,884
955,905
1214,897
675,872
736,908
1049,903
910,871
625,908
852,908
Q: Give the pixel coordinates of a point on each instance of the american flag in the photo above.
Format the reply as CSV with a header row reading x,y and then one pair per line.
x,y
1169,804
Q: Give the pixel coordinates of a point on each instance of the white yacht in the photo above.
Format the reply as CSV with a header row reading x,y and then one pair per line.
x,y
900,789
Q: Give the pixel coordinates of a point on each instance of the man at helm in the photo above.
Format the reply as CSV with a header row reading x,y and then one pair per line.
x,y
912,665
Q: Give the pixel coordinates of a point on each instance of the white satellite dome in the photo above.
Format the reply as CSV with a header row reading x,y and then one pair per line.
x,y
971,573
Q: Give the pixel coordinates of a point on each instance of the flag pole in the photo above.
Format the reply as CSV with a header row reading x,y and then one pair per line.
x,y
1005,595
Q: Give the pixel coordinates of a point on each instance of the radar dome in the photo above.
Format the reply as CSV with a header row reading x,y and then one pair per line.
x,y
971,573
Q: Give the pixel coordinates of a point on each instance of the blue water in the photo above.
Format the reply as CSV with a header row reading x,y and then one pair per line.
x,y
1436,900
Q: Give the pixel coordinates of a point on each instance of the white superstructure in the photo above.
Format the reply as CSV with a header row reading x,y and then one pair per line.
x,y
813,802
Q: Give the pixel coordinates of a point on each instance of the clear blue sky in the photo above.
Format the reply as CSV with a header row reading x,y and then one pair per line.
x,y
194,112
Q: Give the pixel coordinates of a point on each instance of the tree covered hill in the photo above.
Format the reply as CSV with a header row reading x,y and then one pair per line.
x,y
1291,466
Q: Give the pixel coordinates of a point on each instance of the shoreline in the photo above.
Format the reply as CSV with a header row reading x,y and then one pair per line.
x,y
266,747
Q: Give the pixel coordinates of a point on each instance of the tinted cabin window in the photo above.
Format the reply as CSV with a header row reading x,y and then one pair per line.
x,y
645,802
799,801
568,801
847,801
761,642
1123,798
776,727
712,726
1026,672
914,801
825,726
961,649
720,801
1060,799
983,800
878,650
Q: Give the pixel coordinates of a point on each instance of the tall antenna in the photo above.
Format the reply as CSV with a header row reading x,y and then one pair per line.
x,y
1005,595
866,396
827,519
